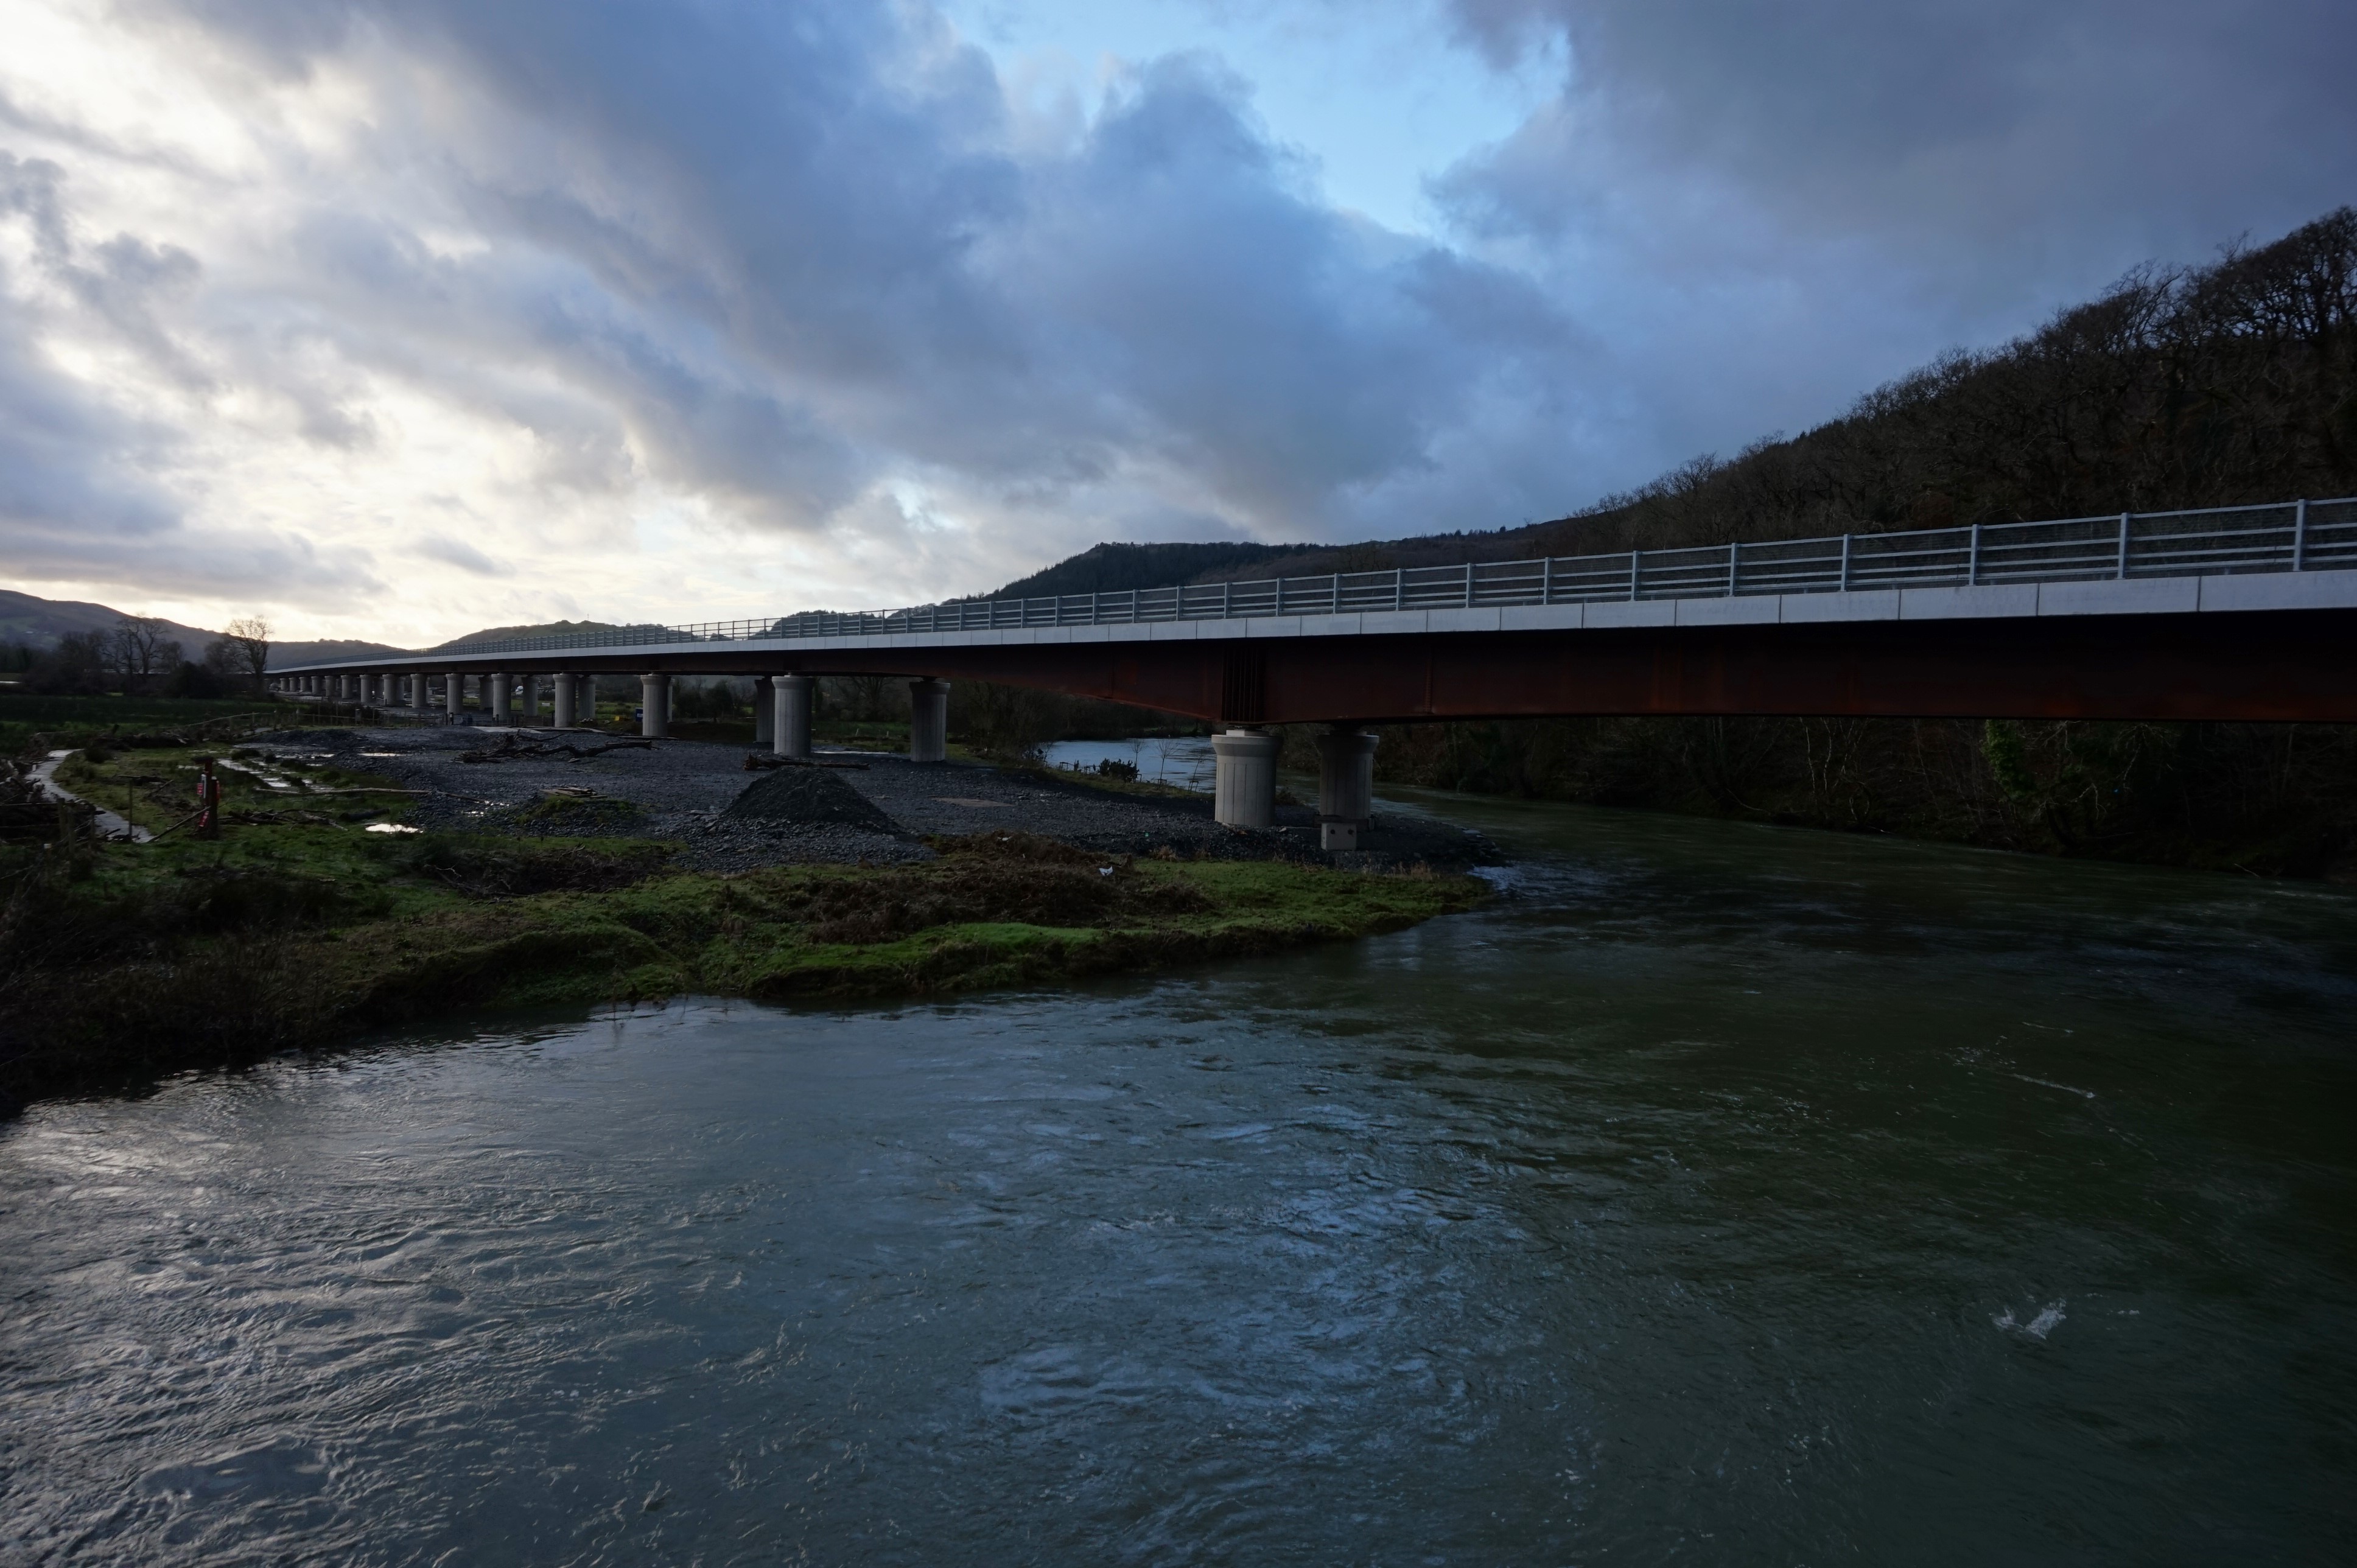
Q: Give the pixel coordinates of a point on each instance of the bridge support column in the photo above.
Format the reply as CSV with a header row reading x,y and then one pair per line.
x,y
584,699
454,693
1346,785
1243,787
654,715
765,712
928,721
560,686
531,696
499,697
791,719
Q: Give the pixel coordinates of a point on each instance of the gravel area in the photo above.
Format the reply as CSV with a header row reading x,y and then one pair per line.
x,y
682,790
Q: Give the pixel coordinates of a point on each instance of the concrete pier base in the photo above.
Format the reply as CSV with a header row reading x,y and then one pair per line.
x,y
564,697
1346,785
928,721
654,706
1243,787
791,719
765,712
499,703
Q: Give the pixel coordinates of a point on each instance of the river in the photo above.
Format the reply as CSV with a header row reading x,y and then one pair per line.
x,y
1718,1194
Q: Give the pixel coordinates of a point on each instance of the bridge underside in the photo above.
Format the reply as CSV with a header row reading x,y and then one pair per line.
x,y
2278,666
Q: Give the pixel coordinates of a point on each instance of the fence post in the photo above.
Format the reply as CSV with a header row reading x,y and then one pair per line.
x,y
1734,564
1972,561
1632,576
1845,569
1093,608
2300,535
1227,599
1547,581
1399,588
1468,584
2122,570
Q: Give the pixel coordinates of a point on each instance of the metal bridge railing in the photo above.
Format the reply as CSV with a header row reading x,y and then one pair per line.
x,y
2286,536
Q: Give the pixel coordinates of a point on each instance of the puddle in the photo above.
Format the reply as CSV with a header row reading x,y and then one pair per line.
x,y
109,824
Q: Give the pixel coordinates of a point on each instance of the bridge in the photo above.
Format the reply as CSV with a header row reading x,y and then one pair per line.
x,y
2244,613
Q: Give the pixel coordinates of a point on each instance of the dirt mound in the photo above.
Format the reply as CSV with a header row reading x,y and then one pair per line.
x,y
809,795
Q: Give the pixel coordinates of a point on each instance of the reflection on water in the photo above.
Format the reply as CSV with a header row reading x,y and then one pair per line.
x,y
1722,1193
1184,760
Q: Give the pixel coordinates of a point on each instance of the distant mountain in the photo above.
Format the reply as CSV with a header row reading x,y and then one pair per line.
x,y
513,633
283,655
1118,568
39,622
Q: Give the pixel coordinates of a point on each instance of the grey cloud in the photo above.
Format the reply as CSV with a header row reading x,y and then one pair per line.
x,y
452,552
2064,131
792,252
776,256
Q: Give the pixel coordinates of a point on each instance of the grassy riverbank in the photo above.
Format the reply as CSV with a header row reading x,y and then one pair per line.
x,y
299,928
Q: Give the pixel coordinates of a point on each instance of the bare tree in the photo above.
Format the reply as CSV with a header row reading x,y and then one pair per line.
x,y
142,650
251,635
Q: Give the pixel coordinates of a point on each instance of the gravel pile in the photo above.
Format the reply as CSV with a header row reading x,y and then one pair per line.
x,y
872,807
812,795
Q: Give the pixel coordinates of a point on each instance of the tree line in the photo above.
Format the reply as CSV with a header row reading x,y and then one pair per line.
x,y
2179,387
139,657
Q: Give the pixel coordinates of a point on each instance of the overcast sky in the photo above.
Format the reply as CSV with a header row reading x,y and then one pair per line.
x,y
394,319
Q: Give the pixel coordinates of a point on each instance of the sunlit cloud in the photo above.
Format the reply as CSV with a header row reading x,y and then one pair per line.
x,y
393,319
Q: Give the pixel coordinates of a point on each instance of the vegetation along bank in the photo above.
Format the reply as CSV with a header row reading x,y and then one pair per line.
x,y
315,917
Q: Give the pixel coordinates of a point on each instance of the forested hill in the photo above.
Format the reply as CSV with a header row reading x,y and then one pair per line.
x,y
1117,568
2179,387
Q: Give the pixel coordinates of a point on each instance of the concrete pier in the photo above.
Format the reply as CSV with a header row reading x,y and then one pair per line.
x,y
532,696
499,703
654,712
792,715
453,693
765,712
563,695
928,721
1244,779
1346,785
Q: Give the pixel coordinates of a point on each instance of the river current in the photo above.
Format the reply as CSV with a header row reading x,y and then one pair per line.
x,y
1717,1193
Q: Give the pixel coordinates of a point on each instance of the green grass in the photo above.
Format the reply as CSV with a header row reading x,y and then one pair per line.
x,y
297,928
68,721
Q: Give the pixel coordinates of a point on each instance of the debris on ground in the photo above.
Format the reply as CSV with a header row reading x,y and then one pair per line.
x,y
509,750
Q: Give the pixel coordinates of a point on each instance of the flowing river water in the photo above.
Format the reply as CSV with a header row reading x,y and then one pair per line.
x,y
1717,1194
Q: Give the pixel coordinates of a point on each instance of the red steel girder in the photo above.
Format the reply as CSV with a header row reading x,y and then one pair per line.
x,y
2265,665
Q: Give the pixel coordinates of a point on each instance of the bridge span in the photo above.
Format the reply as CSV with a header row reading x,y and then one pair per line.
x,y
2246,612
